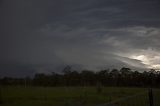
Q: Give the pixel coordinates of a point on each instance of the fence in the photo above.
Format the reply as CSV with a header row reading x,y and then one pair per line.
x,y
0,96
149,98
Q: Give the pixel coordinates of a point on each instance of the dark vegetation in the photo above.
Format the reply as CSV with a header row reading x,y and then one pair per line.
x,y
69,77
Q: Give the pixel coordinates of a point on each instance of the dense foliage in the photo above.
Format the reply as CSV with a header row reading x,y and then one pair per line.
x,y
69,77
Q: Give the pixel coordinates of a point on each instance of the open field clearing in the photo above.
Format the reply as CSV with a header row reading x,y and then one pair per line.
x,y
75,96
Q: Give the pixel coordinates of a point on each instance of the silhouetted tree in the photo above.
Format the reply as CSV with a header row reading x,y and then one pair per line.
x,y
115,76
69,77
102,77
88,77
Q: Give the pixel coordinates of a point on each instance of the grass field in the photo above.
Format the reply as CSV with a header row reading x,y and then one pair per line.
x,y
73,96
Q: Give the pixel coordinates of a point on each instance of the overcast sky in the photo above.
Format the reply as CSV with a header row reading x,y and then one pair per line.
x,y
46,35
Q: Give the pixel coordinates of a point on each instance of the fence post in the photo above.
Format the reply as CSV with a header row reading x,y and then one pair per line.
x,y
150,94
0,96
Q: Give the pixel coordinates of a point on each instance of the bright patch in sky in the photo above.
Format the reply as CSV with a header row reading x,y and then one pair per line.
x,y
147,61
143,58
157,66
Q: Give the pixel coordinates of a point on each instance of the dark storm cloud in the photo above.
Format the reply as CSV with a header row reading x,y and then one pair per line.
x,y
41,35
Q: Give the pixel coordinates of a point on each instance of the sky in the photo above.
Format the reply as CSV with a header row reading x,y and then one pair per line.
x,y
46,35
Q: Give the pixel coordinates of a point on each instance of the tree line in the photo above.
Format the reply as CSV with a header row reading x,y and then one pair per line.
x,y
123,77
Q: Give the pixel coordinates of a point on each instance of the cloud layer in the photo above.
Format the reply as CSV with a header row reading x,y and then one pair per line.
x,y
46,35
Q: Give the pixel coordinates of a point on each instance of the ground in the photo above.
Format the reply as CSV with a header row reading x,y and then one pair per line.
x,y
75,96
